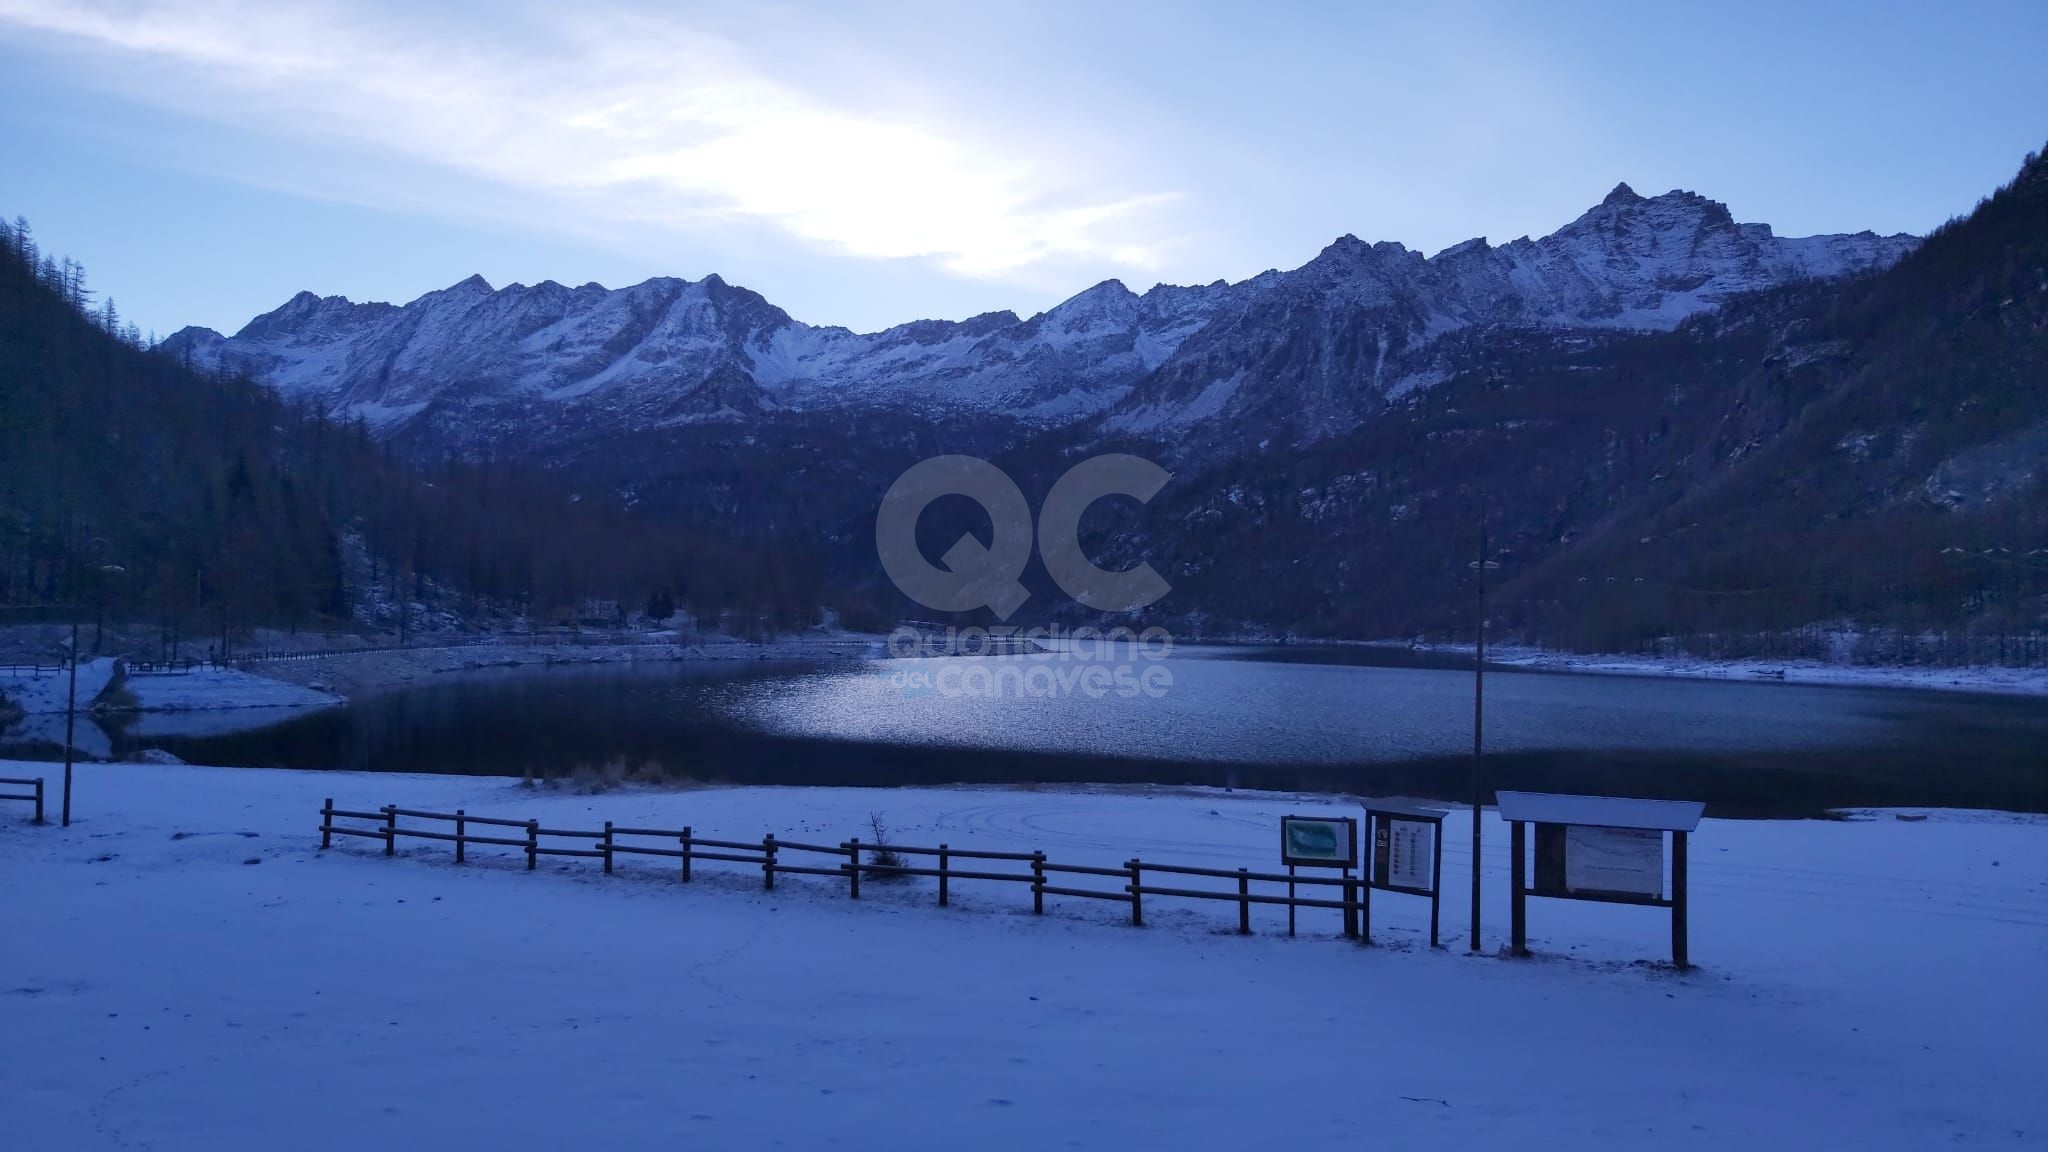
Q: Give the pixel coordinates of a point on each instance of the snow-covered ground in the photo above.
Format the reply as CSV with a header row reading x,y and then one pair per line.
x,y
1979,678
213,688
183,968
205,701
50,690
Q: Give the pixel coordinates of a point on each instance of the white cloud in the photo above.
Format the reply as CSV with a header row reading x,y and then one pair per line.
x,y
625,116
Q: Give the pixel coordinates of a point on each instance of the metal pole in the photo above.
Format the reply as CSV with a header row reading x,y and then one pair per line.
x,y
70,718
1478,720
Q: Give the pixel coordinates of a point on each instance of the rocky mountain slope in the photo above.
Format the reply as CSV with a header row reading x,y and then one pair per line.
x,y
1297,355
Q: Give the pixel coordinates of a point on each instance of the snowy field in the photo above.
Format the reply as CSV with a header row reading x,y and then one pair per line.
x,y
184,969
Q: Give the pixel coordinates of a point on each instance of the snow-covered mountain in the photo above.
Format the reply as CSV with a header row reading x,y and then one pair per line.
x,y
1300,353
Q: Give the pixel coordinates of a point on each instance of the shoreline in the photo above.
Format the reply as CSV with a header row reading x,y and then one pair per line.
x,y
350,674
1988,680
331,678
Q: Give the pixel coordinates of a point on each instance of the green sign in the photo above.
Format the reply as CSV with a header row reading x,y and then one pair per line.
x,y
1318,841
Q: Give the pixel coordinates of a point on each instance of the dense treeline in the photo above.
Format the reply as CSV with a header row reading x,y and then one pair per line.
x,y
127,481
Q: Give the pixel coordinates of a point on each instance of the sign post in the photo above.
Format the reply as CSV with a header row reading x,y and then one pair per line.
x,y
1608,849
1321,842
1407,857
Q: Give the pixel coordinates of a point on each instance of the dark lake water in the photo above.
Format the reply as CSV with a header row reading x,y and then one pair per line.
x,y
1362,721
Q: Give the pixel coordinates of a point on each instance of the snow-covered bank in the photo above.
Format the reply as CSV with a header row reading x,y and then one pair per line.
x,y
350,673
224,699
184,968
50,690
1995,679
216,688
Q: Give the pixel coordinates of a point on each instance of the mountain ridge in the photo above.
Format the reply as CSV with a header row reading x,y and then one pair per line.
x,y
475,363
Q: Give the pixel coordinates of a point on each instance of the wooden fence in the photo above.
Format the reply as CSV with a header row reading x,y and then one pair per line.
x,y
169,667
775,856
34,795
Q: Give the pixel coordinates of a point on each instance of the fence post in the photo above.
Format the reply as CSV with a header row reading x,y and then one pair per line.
x,y
1365,906
1350,907
39,799
1137,897
853,867
1038,883
1290,900
461,828
608,849
942,875
767,860
532,845
1244,902
390,829
327,823
686,853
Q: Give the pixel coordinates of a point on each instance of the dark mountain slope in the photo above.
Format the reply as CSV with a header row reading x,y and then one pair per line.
x,y
1804,455
217,500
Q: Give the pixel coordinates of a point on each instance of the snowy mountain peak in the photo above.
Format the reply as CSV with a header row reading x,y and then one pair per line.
x,y
1357,323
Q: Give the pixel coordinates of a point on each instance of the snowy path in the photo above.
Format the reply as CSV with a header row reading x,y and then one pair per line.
x,y
1868,983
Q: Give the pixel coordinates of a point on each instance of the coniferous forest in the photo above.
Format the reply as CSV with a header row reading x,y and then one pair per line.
x,y
137,488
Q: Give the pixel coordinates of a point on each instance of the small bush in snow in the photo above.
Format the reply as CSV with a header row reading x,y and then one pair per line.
x,y
882,859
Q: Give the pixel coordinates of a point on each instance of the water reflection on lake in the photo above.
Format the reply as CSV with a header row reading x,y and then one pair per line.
x,y
1356,720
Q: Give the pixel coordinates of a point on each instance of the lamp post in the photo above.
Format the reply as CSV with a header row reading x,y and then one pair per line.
x,y
1479,717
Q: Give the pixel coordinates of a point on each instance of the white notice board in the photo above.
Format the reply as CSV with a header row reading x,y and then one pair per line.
x,y
1629,860
1406,853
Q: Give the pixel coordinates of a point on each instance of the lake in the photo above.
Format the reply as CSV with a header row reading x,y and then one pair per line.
x,y
1345,719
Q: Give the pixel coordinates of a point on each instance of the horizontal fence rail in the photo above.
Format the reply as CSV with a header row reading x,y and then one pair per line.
x,y
852,860
34,795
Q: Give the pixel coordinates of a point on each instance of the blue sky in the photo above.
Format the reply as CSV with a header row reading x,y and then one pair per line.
x,y
867,164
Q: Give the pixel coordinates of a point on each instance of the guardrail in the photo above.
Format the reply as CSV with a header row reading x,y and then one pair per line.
x,y
35,796
773,857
